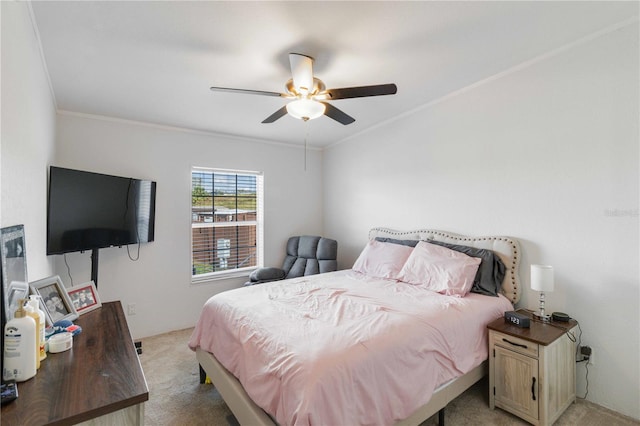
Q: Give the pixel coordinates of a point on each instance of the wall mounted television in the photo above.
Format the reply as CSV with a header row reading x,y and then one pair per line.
x,y
90,211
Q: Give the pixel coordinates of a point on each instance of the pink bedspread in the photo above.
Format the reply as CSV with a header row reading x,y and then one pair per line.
x,y
342,348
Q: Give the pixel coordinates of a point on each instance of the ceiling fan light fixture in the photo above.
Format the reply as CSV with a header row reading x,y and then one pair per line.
x,y
308,94
305,109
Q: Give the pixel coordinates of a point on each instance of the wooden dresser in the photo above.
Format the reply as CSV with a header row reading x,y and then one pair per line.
x,y
97,382
532,371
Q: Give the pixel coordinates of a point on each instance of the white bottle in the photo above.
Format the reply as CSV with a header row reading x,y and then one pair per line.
x,y
34,304
34,314
20,346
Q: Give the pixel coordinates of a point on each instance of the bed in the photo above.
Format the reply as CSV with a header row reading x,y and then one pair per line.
x,y
375,379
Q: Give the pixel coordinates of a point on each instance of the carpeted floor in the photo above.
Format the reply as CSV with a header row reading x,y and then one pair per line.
x,y
177,398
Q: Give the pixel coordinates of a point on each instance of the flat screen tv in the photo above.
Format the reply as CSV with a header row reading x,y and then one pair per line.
x,y
88,211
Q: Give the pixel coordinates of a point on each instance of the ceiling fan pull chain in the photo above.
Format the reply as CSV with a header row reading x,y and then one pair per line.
x,y
306,136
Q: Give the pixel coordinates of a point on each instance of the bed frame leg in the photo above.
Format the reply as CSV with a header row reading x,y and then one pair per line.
x,y
441,417
203,375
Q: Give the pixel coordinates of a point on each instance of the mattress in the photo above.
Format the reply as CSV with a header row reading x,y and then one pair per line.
x,y
342,347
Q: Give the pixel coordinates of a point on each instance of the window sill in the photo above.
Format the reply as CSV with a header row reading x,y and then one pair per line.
x,y
205,279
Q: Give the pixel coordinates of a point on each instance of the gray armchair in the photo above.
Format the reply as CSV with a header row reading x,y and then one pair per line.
x,y
306,255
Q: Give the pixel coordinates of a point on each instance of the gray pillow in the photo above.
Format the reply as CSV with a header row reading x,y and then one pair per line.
x,y
491,272
410,243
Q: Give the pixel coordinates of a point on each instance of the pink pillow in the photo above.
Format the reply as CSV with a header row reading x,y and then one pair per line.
x,y
440,269
382,260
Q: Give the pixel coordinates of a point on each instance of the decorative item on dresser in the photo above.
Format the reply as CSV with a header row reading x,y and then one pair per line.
x,y
56,303
532,371
368,293
85,297
13,269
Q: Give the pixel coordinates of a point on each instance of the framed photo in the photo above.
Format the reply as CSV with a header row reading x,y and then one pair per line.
x,y
56,301
13,265
85,297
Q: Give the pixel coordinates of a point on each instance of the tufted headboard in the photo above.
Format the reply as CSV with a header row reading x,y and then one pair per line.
x,y
507,248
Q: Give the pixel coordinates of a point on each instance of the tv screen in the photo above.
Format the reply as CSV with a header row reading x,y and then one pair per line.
x,y
89,211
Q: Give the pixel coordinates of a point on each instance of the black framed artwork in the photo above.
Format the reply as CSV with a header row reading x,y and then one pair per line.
x,y
13,263
13,275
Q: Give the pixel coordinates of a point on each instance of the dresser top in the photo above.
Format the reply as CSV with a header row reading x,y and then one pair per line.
x,y
542,333
100,374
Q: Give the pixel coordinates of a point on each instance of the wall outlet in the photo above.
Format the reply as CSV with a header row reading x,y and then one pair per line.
x,y
586,353
131,309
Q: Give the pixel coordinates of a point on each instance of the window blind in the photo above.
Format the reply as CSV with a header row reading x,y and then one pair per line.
x,y
226,221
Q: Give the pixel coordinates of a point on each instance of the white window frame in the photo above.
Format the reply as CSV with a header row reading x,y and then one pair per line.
x,y
259,223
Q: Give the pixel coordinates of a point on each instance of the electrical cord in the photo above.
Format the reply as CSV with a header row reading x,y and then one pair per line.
x,y
68,268
586,377
135,211
586,366
137,254
579,341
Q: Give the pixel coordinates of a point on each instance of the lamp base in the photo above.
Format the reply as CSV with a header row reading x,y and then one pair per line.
x,y
542,316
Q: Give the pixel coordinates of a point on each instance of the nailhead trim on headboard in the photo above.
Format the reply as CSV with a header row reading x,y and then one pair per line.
x,y
509,251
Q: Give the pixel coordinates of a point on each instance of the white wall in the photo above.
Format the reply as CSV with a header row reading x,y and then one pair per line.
x,y
547,154
160,282
27,135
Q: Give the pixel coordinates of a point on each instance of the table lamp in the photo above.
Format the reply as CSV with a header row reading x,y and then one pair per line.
x,y
542,280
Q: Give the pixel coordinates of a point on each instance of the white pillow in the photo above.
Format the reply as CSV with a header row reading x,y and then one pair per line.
x,y
382,260
440,269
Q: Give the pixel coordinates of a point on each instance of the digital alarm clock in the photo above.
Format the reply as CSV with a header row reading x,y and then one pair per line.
x,y
519,320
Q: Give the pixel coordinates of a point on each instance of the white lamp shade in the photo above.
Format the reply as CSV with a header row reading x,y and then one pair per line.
x,y
542,277
305,109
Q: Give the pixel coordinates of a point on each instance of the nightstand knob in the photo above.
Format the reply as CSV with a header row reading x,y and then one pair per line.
x,y
533,388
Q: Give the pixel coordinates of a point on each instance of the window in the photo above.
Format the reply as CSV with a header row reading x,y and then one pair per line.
x,y
226,222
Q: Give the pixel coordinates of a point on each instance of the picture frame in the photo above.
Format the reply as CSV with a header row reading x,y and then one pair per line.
x,y
85,297
13,266
56,304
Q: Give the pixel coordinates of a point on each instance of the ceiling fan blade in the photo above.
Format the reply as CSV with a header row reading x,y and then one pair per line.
x,y
302,72
362,91
333,112
247,91
276,115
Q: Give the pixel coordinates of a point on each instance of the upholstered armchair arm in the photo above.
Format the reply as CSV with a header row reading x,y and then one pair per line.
x,y
263,275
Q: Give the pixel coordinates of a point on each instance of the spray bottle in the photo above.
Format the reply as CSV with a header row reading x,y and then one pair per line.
x,y
20,346
34,305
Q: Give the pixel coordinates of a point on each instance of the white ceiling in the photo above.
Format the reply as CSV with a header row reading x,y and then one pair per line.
x,y
155,61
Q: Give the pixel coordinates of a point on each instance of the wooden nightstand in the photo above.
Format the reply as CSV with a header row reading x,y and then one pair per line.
x,y
532,371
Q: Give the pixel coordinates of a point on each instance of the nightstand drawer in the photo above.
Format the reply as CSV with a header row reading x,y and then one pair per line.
x,y
515,344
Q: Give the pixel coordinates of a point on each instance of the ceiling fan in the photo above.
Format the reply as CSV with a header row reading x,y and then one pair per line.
x,y
309,94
